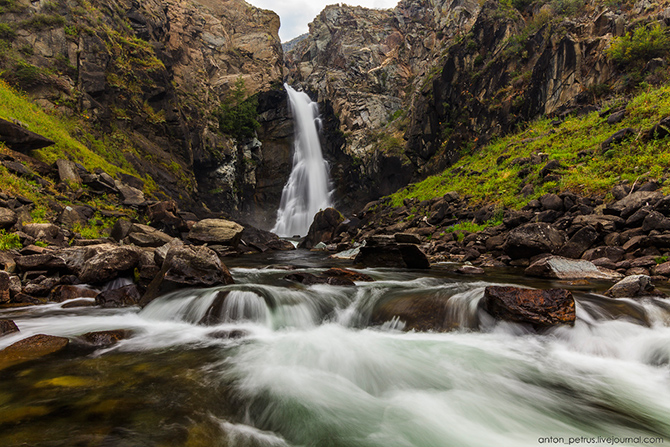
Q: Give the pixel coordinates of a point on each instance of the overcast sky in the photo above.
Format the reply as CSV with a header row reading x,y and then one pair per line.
x,y
296,14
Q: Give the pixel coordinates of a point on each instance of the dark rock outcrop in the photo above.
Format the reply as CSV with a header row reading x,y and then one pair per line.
x,y
425,313
539,308
124,296
323,227
392,255
533,239
20,139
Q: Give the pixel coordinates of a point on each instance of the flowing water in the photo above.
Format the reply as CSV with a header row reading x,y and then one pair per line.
x,y
291,365
307,190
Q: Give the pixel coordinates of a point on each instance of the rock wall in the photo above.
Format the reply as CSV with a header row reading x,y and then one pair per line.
x,y
151,73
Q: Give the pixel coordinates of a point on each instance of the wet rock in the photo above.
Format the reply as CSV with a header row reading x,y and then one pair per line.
x,y
7,218
422,313
323,227
146,236
124,296
633,286
46,232
562,268
31,348
348,274
83,302
216,231
396,255
263,241
533,239
309,279
232,334
20,139
186,266
539,308
104,339
7,327
108,263
470,270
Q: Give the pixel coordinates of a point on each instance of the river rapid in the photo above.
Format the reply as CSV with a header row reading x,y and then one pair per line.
x,y
293,365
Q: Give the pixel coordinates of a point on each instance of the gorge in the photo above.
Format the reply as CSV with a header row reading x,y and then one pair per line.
x,y
481,195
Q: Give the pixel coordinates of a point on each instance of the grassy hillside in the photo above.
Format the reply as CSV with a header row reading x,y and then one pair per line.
x,y
492,176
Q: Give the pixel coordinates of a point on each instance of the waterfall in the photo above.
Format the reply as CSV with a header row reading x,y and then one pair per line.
x,y
307,189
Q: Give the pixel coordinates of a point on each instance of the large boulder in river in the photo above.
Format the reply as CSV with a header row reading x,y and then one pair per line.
x,y
262,241
31,348
323,227
539,308
417,313
186,266
123,296
216,232
558,267
108,263
633,286
533,239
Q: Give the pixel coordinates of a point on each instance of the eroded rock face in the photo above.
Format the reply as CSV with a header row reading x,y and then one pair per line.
x,y
539,308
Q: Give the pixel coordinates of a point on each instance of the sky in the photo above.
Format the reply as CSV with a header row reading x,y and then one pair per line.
x,y
296,14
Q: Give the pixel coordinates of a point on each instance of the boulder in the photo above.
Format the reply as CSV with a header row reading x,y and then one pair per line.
x,y
216,231
5,286
633,286
602,224
46,232
418,313
70,216
395,255
539,308
68,292
108,263
186,266
7,218
309,279
627,206
533,239
323,227
165,217
618,137
579,242
615,254
121,229
563,268
31,348
146,236
104,339
7,327
45,261
407,238
349,274
655,221
20,139
263,241
124,296
662,269
130,196
67,171
551,202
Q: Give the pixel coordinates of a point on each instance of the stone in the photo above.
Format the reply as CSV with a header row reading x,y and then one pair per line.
x,y
579,242
109,263
632,286
562,268
121,229
322,228
349,274
407,238
46,232
396,255
165,216
70,216
7,327
31,348
550,167
82,302
7,218
186,266
662,269
551,202
46,261
5,287
417,313
539,308
130,196
146,236
67,171
216,231
470,270
630,204
104,339
616,117
636,242
123,296
618,137
601,223
532,239
655,221
69,292
309,279
20,139
263,241
615,254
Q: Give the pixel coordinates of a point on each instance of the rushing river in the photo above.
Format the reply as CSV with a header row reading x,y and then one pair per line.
x,y
300,366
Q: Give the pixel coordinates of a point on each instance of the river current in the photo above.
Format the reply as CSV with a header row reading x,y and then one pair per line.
x,y
295,365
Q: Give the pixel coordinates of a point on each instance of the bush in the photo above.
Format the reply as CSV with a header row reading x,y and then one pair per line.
x,y
9,241
237,114
645,43
7,32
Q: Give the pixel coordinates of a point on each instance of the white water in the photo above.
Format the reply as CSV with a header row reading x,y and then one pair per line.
x,y
310,373
307,189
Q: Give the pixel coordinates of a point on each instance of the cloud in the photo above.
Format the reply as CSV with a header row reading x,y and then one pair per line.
x,y
296,14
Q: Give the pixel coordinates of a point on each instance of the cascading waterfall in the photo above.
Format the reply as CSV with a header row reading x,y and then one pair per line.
x,y
307,190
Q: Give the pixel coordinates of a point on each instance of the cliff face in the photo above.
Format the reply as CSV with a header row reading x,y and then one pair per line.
x,y
408,90
151,74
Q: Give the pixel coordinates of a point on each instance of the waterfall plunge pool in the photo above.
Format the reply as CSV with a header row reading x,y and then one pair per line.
x,y
301,366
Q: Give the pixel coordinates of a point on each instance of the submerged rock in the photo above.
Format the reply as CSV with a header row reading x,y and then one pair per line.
x,y
309,279
103,339
563,268
31,348
539,308
68,292
349,274
417,313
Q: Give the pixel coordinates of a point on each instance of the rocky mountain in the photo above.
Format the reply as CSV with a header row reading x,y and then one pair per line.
x,y
151,75
407,91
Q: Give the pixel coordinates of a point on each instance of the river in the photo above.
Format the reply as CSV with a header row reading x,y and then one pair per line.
x,y
300,366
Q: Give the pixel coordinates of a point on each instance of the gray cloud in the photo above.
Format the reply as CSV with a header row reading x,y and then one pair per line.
x,y
296,14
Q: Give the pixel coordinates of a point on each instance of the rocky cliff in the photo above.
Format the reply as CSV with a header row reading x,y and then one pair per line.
x,y
150,75
409,90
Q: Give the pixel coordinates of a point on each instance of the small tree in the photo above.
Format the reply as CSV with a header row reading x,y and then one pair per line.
x,y
644,44
237,113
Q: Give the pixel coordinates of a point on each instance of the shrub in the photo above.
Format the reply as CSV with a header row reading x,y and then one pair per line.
x,y
645,43
7,32
237,114
44,21
9,241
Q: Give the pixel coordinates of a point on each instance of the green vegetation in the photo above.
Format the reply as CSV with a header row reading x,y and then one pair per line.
x,y
237,113
644,44
7,32
96,228
9,241
490,175
44,21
